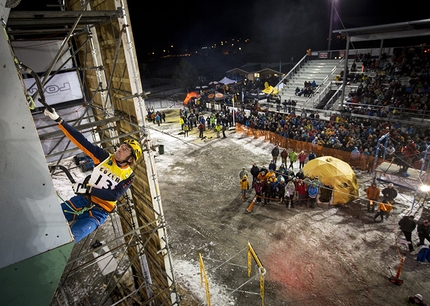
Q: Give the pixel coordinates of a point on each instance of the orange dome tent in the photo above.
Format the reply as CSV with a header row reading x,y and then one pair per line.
x,y
191,95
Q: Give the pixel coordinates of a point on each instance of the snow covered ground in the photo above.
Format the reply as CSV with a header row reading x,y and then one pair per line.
x,y
322,256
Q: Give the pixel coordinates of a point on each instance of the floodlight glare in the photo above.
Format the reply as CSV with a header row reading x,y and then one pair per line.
x,y
424,188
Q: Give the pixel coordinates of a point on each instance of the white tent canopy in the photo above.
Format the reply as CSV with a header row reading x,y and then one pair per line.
x,y
227,81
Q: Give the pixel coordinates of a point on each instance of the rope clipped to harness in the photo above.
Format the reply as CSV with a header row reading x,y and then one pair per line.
x,y
73,210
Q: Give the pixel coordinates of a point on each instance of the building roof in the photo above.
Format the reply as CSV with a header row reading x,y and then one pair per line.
x,y
388,31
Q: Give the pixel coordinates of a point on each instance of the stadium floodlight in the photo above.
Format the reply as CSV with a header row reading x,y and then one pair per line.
x,y
424,188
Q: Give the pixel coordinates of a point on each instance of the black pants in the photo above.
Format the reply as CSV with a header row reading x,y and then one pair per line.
x,y
408,236
380,214
423,237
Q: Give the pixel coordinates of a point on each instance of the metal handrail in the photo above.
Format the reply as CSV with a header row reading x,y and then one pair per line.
x,y
299,63
326,87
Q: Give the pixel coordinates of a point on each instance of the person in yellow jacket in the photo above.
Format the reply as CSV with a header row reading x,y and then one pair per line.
x,y
244,186
218,130
383,210
181,122
372,193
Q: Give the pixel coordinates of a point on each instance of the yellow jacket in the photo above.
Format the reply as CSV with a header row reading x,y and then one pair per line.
x,y
244,183
385,207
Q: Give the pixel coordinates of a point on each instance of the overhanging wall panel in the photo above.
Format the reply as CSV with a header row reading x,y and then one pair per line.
x,y
35,241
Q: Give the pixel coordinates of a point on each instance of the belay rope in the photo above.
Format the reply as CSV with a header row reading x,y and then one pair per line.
x,y
72,180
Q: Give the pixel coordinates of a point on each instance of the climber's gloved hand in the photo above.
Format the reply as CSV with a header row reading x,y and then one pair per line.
x,y
80,188
53,115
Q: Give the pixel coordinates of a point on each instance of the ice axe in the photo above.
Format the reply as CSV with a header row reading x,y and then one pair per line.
x,y
396,279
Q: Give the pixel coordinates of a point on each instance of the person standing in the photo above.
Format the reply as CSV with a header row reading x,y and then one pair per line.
x,y
254,172
218,130
258,187
158,118
423,232
223,128
389,193
313,190
186,128
243,172
302,158
244,186
181,122
201,128
112,176
355,158
290,189
311,155
272,165
281,189
302,191
372,193
407,225
275,153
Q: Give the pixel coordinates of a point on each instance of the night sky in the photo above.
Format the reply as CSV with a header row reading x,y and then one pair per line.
x,y
281,26
278,25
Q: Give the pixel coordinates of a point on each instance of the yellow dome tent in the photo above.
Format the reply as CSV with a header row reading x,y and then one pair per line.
x,y
270,89
336,174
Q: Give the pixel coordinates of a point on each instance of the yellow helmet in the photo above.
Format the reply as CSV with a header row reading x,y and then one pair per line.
x,y
135,146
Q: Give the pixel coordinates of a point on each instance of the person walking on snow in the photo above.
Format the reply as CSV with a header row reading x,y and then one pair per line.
x,y
275,153
293,158
384,209
110,179
407,225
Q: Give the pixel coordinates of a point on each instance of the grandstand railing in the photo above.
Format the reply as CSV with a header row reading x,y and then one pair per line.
x,y
292,71
394,113
322,89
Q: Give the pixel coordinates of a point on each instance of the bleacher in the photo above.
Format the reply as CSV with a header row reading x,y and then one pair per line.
x,y
322,71
318,70
326,74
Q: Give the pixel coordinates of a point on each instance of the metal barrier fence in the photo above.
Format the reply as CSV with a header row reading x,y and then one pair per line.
x,y
363,162
158,104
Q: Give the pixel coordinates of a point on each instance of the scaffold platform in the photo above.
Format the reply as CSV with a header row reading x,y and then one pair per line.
x,y
389,172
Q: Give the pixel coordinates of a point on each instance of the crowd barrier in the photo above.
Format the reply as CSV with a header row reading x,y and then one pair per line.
x,y
363,162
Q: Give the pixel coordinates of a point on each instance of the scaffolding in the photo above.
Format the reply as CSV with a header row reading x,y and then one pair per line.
x,y
133,264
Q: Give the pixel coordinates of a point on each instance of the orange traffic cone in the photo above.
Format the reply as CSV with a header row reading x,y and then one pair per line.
x,y
249,209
